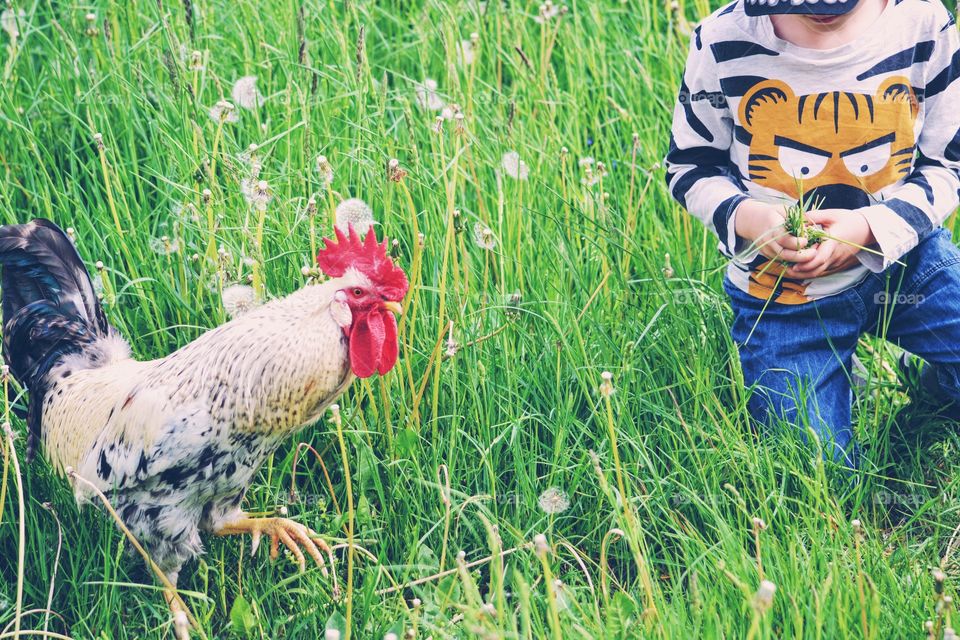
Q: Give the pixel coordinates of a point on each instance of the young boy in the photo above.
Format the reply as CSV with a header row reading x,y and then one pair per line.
x,y
853,105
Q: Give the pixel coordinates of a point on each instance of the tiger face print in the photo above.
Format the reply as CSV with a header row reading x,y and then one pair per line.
x,y
826,140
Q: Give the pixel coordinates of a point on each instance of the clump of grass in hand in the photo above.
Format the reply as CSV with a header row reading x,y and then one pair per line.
x,y
796,224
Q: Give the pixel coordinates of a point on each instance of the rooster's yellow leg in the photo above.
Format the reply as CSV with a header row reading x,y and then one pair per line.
x,y
181,624
292,534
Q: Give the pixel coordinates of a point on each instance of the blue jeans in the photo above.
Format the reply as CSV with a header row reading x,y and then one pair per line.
x,y
798,357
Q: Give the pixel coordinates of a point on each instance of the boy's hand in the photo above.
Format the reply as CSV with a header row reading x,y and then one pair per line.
x,y
761,224
831,255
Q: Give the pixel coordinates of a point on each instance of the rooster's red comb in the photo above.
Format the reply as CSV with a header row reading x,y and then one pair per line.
x,y
367,256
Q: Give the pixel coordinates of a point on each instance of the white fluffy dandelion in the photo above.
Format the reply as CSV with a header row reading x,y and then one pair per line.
x,y
9,20
245,93
763,599
238,299
355,213
483,237
224,111
548,11
553,501
257,193
164,246
466,54
427,96
513,166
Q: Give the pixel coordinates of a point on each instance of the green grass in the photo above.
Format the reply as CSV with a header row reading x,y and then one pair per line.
x,y
664,477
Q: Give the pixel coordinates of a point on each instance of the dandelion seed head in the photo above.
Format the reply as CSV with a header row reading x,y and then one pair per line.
x,y
466,53
331,634
164,246
8,22
426,95
223,111
238,299
513,166
483,237
257,193
196,61
356,213
245,93
764,596
606,386
548,11
540,544
553,501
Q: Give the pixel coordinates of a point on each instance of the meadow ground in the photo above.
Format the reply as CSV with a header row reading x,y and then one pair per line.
x,y
537,270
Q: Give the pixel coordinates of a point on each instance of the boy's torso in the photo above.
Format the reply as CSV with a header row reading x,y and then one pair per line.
x,y
837,127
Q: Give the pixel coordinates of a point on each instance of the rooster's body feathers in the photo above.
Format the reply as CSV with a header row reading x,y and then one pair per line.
x,y
175,441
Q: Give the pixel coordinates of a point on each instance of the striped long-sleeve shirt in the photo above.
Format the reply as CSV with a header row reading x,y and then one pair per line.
x,y
872,126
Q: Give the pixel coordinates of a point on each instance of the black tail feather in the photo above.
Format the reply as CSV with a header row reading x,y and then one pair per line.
x,y
50,309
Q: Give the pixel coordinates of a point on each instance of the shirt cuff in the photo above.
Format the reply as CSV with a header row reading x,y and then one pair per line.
x,y
740,251
894,237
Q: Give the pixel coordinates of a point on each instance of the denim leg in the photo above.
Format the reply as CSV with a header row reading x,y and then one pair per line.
x,y
918,307
797,358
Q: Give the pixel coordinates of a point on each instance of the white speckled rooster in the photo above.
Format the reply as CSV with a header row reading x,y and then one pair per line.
x,y
175,442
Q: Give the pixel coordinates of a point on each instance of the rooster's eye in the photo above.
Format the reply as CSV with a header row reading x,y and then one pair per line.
x,y
358,292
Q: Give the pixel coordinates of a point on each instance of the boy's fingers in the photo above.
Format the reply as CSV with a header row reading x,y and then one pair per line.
x,y
801,256
823,216
809,268
792,243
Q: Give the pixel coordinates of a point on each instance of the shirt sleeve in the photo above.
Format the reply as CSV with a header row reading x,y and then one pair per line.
x,y
929,194
698,162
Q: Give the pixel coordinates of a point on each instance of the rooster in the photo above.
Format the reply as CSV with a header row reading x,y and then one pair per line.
x,y
176,442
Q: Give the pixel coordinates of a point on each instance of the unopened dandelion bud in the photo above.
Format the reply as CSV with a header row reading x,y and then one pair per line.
x,y
606,386
458,125
410,634
325,171
489,609
759,524
91,24
421,239
195,257
474,38
564,151
5,372
939,577
71,233
394,248
98,140
415,603
636,139
196,61
438,125
667,267
305,272
395,173
99,265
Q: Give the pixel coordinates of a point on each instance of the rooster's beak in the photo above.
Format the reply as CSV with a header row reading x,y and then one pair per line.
x,y
395,307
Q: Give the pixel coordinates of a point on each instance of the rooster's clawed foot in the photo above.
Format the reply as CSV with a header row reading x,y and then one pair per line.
x,y
294,536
